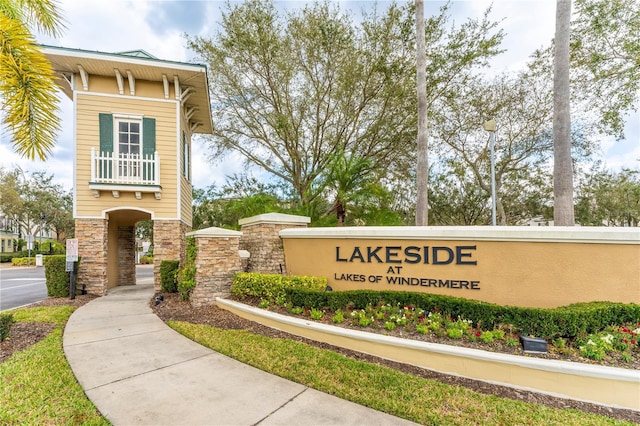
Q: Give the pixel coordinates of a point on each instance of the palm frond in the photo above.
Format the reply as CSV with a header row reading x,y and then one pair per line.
x,y
28,91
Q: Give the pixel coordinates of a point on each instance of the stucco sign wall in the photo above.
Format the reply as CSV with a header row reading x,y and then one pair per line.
x,y
505,265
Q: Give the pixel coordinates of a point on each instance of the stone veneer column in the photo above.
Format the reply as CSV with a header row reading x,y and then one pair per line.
x,y
126,255
169,243
92,250
217,260
261,238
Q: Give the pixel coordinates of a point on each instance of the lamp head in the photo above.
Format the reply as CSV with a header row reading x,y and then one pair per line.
x,y
490,125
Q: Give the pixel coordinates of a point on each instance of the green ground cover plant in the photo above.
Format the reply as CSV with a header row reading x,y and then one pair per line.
x,y
590,330
565,321
38,386
420,400
623,340
186,276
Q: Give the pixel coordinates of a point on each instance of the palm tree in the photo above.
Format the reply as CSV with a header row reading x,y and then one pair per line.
x,y
346,176
563,211
27,86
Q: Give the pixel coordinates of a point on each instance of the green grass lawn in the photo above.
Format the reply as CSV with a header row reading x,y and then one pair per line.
x,y
420,400
37,386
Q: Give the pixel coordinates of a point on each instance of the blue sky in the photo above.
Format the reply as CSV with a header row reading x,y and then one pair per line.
x,y
158,26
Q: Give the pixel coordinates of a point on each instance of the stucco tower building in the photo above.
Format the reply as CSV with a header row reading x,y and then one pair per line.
x,y
134,118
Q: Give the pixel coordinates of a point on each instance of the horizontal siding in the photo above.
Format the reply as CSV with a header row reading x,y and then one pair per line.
x,y
87,136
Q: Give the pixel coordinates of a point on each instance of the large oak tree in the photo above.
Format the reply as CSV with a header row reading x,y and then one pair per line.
x,y
290,92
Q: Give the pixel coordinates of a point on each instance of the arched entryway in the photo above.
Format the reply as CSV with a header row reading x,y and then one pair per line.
x,y
121,246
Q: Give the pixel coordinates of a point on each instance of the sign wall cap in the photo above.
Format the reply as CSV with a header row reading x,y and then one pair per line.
x,y
277,218
215,232
585,235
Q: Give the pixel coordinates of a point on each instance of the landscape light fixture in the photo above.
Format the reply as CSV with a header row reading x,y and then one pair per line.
x,y
490,126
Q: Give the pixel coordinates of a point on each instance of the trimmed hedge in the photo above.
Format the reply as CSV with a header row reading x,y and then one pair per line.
x,y
56,275
168,271
273,287
6,320
45,250
6,257
566,321
23,261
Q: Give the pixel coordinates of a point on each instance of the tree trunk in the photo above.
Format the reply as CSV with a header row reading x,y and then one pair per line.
x,y
502,217
563,212
340,213
422,167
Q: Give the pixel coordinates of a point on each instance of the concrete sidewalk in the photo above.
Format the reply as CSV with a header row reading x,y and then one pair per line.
x,y
138,371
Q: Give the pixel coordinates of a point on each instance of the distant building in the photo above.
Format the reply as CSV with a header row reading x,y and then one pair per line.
x,y
11,232
8,234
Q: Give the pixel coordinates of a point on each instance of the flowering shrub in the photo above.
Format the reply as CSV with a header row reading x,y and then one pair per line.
x,y
622,338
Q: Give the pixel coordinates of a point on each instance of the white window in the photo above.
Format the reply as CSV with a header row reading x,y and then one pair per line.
x,y
186,157
128,145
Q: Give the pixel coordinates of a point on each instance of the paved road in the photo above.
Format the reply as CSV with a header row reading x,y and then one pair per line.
x,y
22,286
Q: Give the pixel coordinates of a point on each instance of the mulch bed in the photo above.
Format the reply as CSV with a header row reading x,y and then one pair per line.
x,y
22,335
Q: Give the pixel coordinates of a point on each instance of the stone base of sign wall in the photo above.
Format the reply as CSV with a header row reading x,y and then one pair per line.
x,y
169,243
261,238
217,260
92,250
609,386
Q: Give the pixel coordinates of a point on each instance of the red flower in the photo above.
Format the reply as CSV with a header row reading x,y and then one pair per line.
x,y
478,334
436,310
633,342
625,341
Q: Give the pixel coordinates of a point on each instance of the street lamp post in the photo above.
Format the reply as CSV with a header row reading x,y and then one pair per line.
x,y
490,126
43,220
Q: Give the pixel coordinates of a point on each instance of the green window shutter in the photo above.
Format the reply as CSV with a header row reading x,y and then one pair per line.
x,y
148,146
148,136
106,132
184,152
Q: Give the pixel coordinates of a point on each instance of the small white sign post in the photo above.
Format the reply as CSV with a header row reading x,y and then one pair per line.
x,y
72,258
29,248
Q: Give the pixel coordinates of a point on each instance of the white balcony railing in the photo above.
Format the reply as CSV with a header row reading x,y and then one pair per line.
x,y
132,169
